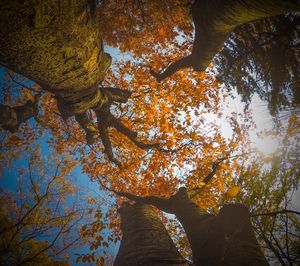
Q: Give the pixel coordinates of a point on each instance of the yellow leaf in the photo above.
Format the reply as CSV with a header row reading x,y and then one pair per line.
x,y
201,184
232,192
225,166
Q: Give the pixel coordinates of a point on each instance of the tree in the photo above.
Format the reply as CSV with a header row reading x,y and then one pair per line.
x,y
214,21
57,46
178,143
145,240
215,240
269,190
205,233
276,224
38,224
71,49
89,63
226,239
262,58
50,45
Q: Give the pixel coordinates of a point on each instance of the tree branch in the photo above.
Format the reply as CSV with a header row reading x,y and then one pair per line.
x,y
269,244
21,84
193,193
172,68
213,28
159,202
274,213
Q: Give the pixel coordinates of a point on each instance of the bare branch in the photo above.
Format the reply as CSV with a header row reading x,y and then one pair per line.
x,y
269,243
159,202
21,84
38,202
182,63
274,213
193,193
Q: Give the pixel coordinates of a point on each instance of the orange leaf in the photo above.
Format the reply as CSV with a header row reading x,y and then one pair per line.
x,y
232,192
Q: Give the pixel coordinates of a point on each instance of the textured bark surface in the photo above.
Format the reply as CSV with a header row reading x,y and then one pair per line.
x,y
145,240
240,246
56,44
223,239
12,117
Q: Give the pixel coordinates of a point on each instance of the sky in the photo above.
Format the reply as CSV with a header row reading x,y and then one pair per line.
x,y
260,112
9,176
261,117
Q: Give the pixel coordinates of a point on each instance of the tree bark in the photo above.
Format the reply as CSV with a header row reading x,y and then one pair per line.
x,y
215,19
145,240
223,239
12,117
57,45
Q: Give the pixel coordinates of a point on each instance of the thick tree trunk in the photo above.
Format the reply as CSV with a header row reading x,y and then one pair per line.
x,y
145,240
56,44
223,239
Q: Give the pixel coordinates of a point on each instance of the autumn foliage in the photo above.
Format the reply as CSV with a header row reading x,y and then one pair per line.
x,y
182,114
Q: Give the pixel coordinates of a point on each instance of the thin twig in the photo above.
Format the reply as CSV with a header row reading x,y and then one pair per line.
x,y
274,213
21,84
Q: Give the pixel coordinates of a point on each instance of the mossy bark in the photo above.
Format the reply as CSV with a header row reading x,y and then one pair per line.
x,y
56,44
145,240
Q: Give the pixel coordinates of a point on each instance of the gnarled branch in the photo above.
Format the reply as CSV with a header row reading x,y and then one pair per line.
x,y
105,120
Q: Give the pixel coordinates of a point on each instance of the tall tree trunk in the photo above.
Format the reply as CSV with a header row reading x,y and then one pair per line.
x,y
215,19
223,239
57,45
145,240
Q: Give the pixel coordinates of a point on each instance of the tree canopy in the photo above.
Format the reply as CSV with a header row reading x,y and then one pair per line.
x,y
138,128
263,58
